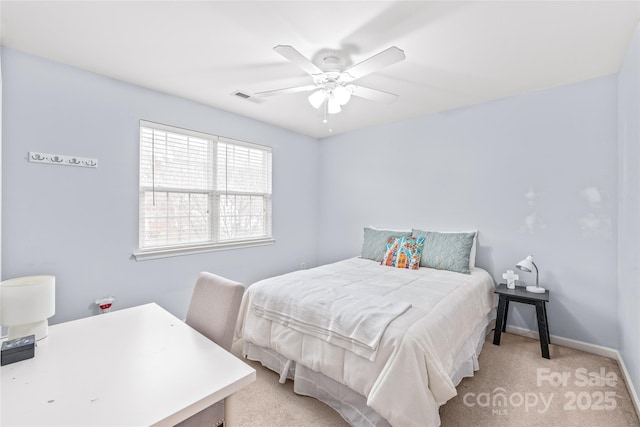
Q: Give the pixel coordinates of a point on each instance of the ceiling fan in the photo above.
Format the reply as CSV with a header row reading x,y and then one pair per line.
x,y
334,87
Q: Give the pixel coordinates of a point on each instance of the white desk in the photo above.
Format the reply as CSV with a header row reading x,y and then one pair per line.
x,y
136,367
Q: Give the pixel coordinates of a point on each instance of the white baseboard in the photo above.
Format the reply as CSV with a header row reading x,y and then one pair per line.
x,y
627,379
599,350
611,353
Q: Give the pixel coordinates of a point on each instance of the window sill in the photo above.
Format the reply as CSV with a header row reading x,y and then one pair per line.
x,y
143,255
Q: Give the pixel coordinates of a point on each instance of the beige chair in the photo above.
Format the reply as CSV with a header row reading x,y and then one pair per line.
x,y
213,312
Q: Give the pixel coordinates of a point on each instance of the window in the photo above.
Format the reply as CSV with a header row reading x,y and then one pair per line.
x,y
201,192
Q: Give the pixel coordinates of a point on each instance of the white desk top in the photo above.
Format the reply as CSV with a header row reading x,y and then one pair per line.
x,y
139,366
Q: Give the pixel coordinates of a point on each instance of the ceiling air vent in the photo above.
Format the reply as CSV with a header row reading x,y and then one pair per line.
x,y
248,97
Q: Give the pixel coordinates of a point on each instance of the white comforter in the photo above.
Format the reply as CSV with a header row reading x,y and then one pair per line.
x,y
346,316
410,375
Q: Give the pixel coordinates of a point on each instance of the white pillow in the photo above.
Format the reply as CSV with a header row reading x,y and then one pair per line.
x,y
399,230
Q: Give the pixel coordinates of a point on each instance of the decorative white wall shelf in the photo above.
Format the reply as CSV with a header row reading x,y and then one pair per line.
x,y
59,159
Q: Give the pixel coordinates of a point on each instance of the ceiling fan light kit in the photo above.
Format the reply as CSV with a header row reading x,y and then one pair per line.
x,y
335,95
343,93
317,98
333,106
334,88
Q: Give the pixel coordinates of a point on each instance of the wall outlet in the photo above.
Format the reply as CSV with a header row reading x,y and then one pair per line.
x,y
104,304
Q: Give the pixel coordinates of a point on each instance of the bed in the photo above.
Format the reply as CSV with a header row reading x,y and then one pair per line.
x,y
381,345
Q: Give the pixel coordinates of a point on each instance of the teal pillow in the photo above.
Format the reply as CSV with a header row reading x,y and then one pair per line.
x,y
446,251
375,241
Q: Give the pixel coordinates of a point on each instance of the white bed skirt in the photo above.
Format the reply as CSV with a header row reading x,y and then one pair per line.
x,y
352,406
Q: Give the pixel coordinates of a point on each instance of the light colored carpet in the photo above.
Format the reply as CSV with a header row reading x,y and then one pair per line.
x,y
535,393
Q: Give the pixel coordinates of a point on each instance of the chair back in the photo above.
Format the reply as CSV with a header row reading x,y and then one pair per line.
x,y
213,310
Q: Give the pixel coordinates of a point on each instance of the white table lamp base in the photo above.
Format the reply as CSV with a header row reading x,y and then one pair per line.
x,y
536,289
40,329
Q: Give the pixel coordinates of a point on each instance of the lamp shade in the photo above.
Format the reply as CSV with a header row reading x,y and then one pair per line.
x,y
317,98
342,94
25,305
333,106
526,264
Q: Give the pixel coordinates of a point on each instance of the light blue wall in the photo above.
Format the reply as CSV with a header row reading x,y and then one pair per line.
x,y
629,210
535,174
82,224
472,169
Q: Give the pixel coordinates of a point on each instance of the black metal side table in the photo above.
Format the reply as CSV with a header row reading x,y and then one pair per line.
x,y
520,294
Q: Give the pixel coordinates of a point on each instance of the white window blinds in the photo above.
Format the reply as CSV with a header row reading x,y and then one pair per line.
x,y
201,191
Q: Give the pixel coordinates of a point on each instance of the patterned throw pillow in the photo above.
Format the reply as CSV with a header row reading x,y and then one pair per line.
x,y
403,252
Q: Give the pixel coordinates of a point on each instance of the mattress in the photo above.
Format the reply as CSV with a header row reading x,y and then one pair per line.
x,y
416,363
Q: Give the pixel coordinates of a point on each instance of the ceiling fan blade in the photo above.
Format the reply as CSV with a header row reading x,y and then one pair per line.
x,y
297,58
375,95
286,90
374,63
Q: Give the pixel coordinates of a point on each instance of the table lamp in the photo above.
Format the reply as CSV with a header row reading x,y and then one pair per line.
x,y
26,303
528,265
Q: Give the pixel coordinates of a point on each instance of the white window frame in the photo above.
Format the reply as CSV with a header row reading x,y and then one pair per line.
x,y
214,195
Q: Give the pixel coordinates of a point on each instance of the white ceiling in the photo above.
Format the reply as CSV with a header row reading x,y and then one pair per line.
x,y
458,53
